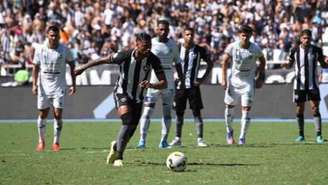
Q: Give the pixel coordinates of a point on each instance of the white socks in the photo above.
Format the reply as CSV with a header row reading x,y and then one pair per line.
x,y
41,123
245,120
228,115
58,125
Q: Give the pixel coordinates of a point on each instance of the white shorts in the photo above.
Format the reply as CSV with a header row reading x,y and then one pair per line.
x,y
45,102
166,94
233,95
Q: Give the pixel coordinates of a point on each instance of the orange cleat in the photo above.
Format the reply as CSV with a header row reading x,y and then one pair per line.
x,y
56,147
40,147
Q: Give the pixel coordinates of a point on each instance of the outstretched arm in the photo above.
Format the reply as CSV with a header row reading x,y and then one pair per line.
x,y
103,60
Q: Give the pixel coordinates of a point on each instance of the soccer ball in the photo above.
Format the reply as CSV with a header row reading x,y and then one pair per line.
x,y
176,161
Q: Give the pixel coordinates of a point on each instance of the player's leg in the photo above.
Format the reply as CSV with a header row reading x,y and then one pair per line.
x,y
246,103
149,106
299,97
314,97
180,101
58,105
196,104
230,100
43,107
244,123
167,102
130,115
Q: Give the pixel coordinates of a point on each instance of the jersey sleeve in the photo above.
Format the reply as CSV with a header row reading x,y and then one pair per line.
x,y
119,57
258,50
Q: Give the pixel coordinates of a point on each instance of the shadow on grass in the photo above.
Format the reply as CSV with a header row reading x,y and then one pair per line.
x,y
142,163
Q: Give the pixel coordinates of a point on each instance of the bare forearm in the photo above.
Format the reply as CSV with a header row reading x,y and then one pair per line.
x,y
162,84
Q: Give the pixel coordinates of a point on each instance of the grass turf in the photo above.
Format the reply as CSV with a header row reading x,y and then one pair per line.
x,y
270,157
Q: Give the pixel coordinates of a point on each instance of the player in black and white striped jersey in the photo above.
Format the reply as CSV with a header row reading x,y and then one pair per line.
x,y
188,85
135,68
305,57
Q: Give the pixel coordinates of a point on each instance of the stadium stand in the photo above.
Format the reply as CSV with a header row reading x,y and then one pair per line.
x,y
95,27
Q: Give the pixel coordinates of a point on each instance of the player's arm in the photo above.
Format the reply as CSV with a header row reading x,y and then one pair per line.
x,y
260,72
322,59
72,89
159,72
291,59
209,66
35,70
35,75
103,60
224,68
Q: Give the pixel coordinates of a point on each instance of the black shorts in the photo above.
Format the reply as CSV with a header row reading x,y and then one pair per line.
x,y
134,107
192,94
300,96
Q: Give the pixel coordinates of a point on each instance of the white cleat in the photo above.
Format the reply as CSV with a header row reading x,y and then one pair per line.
x,y
112,153
201,143
118,163
176,142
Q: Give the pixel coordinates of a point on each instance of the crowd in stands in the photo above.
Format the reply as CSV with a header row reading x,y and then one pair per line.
x,y
96,27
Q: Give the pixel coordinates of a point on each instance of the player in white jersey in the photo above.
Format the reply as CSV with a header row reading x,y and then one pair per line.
x,y
166,50
49,83
241,82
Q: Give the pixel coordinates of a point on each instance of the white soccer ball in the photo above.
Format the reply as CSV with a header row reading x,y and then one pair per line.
x,y
176,161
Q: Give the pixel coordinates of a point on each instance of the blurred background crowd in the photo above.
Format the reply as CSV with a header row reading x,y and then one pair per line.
x,y
97,27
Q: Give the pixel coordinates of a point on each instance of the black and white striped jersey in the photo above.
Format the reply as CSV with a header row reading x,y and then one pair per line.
x,y
189,65
305,63
132,72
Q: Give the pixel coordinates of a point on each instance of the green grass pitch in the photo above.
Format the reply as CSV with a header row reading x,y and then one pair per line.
x,y
270,157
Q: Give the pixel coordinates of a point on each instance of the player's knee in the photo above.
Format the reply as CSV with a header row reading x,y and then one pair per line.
x,y
196,113
315,111
127,119
58,124
41,122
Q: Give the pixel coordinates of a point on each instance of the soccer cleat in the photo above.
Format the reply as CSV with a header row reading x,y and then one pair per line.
x,y
141,144
118,163
201,143
40,147
319,139
229,138
163,144
176,142
55,147
242,141
111,157
300,139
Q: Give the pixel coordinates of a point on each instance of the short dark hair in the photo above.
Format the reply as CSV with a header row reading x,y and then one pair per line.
x,y
189,29
246,29
306,32
143,36
164,22
53,26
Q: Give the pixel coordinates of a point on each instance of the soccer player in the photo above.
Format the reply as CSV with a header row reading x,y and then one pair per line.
x,y
304,57
135,68
240,84
188,83
49,83
166,50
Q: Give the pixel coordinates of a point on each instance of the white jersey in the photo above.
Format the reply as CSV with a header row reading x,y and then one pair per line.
x,y
52,62
243,64
168,54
